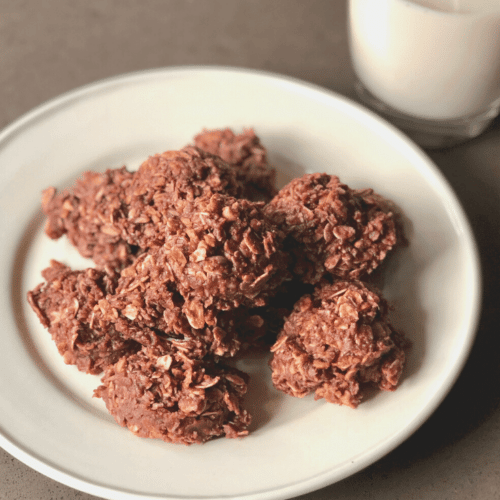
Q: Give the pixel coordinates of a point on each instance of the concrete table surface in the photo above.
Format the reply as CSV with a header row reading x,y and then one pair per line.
x,y
52,46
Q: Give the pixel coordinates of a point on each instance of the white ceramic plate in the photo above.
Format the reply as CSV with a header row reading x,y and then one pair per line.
x,y
48,418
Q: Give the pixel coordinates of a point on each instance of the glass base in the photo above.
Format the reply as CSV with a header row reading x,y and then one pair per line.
x,y
430,134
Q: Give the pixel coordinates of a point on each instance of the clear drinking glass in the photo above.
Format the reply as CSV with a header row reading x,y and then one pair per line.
x,y
431,67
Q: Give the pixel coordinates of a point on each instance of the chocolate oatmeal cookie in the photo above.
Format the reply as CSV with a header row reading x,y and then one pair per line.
x,y
331,228
335,343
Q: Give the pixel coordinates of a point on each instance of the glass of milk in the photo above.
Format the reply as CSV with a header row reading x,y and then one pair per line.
x,y
432,67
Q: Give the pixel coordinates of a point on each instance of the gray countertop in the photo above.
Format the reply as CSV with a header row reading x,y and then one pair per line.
x,y
50,47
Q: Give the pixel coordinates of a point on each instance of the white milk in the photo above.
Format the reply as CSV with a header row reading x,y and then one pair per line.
x,y
437,59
